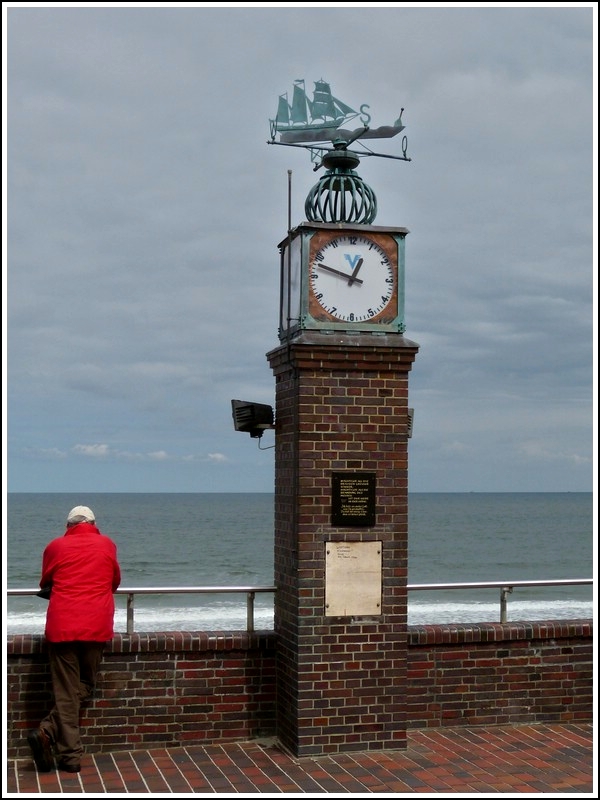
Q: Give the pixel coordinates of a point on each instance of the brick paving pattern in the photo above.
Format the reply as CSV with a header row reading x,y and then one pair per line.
x,y
501,759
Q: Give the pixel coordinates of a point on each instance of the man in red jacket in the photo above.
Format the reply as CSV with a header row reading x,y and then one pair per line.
x,y
83,572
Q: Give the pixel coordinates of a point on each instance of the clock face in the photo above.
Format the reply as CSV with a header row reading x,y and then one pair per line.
x,y
353,278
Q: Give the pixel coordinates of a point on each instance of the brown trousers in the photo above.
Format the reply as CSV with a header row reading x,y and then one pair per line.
x,y
74,667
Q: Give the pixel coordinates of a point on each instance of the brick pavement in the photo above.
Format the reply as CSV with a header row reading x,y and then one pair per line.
x,y
512,760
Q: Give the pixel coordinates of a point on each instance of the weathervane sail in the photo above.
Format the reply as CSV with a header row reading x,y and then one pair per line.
x,y
299,108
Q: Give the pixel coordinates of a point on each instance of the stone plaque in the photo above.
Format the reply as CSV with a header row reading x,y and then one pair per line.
x,y
352,579
353,499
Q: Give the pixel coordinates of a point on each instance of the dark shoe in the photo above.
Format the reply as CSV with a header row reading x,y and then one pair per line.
x,y
67,767
41,749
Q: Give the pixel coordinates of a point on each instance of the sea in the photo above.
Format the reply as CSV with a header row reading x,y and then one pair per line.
x,y
226,540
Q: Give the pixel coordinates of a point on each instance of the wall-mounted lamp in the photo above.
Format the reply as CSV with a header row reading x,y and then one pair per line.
x,y
252,418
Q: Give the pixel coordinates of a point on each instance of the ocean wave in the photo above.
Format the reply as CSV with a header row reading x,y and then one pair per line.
x,y
233,617
526,610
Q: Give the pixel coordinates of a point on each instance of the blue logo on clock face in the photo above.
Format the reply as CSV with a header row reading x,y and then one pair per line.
x,y
351,259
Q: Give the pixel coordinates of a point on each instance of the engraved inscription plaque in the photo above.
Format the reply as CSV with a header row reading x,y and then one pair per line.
x,y
352,579
353,499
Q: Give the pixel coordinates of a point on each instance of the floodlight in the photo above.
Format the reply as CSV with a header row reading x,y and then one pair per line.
x,y
252,418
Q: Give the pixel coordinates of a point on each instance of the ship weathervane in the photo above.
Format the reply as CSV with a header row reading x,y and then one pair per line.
x,y
304,122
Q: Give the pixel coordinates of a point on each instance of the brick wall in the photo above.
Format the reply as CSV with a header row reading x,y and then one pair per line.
x,y
155,689
495,674
170,689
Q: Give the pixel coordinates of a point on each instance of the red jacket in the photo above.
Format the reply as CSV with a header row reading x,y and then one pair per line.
x,y
83,570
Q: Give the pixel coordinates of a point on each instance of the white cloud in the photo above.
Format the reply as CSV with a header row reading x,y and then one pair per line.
x,y
217,458
92,450
159,455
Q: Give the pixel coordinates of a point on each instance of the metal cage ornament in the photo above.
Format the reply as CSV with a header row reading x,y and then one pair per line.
x,y
341,195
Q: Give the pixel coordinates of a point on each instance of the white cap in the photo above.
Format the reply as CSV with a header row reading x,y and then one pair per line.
x,y
80,514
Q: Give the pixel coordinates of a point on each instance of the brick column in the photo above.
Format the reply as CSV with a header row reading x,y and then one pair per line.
x,y
341,406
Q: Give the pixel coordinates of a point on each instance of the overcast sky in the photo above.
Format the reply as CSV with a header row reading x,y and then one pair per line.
x,y
144,208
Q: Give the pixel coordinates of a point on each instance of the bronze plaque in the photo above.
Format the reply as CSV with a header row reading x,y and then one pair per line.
x,y
353,499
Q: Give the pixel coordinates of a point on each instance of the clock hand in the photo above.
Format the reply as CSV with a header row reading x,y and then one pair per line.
x,y
353,279
341,274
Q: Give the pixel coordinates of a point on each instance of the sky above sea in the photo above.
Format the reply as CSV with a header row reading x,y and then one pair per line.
x,y
143,209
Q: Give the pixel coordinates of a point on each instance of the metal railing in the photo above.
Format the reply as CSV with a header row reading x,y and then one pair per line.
x,y
249,591
506,588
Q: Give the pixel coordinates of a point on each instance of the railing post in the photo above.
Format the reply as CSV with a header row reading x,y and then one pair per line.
x,y
504,592
130,612
250,611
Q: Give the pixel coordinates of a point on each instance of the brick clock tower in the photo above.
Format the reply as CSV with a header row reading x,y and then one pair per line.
x,y
341,473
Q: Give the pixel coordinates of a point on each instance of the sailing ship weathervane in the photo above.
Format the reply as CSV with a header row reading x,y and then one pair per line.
x,y
340,195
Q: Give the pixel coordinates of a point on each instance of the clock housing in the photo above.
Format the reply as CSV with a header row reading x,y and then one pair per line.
x,y
342,277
